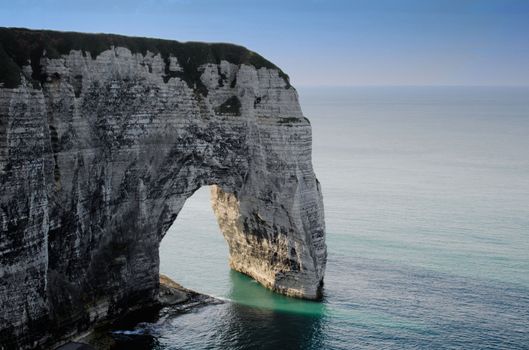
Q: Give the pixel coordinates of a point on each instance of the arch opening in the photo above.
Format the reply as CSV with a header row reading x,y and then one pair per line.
x,y
193,251
261,241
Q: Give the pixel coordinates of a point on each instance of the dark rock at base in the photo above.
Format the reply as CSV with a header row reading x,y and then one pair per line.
x,y
75,346
172,293
120,334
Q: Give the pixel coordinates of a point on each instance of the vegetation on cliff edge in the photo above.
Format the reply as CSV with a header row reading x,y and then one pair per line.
x,y
19,46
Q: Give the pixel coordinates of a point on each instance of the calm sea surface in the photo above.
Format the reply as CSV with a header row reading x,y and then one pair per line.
x,y
426,194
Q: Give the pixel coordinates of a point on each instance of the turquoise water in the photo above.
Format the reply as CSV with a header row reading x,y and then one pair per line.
x,y
426,194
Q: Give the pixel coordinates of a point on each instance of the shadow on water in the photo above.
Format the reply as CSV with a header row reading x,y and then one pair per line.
x,y
131,341
260,319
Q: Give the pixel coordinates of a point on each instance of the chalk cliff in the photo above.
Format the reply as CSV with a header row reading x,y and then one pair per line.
x,y
102,140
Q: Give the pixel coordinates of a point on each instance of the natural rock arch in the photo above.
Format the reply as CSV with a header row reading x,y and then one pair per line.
x,y
102,140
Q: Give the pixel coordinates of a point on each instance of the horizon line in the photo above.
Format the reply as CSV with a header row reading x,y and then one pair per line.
x,y
408,85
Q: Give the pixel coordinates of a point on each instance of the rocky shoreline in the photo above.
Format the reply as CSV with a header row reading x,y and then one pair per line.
x,y
115,334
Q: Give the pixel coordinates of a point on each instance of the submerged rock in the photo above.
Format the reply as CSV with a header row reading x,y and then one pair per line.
x,y
104,137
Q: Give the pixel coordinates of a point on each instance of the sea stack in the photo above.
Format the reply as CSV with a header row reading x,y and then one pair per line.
x,y
102,140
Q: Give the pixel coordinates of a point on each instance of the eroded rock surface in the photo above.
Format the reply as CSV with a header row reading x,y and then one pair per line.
x,y
103,138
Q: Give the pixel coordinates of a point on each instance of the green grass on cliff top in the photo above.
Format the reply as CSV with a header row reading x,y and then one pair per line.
x,y
19,46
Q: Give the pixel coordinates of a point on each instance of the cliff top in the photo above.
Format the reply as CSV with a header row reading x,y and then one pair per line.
x,y
20,45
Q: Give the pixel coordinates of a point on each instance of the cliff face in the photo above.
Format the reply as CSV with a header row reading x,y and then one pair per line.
x,y
103,138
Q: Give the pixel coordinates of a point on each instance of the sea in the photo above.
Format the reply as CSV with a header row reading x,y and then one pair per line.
x,y
426,194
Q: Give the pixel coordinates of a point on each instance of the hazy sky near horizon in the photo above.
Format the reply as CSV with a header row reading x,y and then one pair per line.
x,y
323,42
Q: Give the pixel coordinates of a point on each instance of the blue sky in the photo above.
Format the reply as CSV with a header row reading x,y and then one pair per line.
x,y
323,42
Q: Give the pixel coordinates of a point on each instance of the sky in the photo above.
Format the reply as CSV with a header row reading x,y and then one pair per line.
x,y
322,42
